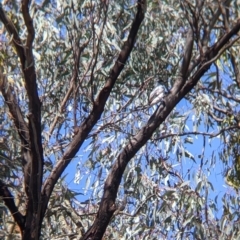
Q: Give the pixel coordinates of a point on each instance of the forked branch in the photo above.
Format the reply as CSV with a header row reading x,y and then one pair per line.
x,y
98,108
107,205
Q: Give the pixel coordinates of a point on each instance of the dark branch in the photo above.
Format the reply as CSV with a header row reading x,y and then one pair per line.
x,y
17,117
211,135
210,56
12,31
225,38
97,110
33,157
107,205
34,120
29,24
9,202
187,54
20,124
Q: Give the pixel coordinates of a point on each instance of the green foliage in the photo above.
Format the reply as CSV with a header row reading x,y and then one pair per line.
x,y
167,191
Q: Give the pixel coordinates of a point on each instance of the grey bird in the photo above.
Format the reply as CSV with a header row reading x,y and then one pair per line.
x,y
156,95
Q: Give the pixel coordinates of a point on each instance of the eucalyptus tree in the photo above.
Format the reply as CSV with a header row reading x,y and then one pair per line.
x,y
76,77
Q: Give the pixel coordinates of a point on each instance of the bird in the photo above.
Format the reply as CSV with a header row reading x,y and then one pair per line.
x,y
156,95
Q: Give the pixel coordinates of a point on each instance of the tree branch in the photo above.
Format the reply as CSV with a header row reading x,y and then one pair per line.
x,y
235,68
13,32
187,53
70,90
20,124
211,55
225,13
33,159
224,94
219,120
27,64
31,32
9,202
225,38
211,135
211,24
107,205
36,157
98,108
17,117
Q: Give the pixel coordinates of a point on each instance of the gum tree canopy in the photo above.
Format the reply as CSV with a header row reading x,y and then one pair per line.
x,y
75,81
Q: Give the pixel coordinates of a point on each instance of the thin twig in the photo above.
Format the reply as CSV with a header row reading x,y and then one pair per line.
x,y
211,135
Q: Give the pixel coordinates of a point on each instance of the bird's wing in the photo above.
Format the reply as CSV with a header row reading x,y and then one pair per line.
x,y
156,92
152,95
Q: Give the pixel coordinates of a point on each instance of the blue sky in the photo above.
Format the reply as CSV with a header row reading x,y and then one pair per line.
x,y
215,172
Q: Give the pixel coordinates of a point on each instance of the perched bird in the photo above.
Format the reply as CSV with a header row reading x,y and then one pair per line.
x,y
156,95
